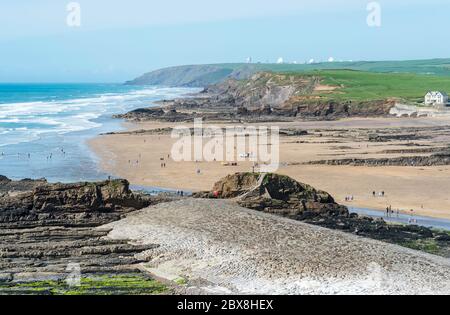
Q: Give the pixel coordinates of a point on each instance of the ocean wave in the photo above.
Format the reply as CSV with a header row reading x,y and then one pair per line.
x,y
28,121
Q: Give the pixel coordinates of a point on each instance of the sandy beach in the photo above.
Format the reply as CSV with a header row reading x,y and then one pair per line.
x,y
425,190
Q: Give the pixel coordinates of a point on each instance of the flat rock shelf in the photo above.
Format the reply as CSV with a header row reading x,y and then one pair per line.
x,y
222,247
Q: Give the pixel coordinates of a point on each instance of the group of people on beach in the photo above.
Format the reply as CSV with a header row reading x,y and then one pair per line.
x,y
374,193
380,194
163,161
349,198
390,213
133,162
48,157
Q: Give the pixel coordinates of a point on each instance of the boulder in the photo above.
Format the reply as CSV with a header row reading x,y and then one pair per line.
x,y
277,194
4,179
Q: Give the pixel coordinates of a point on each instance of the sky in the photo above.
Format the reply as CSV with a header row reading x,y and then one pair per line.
x,y
118,40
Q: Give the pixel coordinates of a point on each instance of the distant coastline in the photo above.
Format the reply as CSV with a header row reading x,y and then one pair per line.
x,y
204,75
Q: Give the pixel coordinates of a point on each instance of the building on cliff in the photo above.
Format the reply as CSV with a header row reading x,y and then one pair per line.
x,y
436,98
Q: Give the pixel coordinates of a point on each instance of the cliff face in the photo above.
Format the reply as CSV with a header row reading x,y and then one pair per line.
x,y
265,96
47,229
262,90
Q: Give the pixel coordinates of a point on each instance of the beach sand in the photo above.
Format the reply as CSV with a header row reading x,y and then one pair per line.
x,y
425,190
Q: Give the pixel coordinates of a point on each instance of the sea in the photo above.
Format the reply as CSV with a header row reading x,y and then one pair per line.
x,y
44,128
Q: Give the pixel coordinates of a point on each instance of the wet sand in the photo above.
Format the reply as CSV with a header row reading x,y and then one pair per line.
x,y
425,190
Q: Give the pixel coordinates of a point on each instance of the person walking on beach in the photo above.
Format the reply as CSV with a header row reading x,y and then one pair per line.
x,y
374,194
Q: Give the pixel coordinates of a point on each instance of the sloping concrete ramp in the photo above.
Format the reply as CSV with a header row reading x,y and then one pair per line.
x,y
224,248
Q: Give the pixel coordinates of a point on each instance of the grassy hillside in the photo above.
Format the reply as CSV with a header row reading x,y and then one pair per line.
x,y
358,85
203,75
438,67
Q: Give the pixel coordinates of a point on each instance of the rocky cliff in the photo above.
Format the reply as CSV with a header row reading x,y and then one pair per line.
x,y
29,203
46,230
263,96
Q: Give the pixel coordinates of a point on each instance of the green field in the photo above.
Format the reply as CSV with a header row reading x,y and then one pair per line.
x,y
433,67
358,85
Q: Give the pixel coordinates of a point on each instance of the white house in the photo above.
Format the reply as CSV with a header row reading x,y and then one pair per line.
x,y
436,98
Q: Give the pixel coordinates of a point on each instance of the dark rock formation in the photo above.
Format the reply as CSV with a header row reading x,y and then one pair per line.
x,y
397,137
437,159
45,227
8,186
4,179
30,203
276,194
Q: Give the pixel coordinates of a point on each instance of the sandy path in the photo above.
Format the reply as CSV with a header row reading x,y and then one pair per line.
x,y
425,190
235,250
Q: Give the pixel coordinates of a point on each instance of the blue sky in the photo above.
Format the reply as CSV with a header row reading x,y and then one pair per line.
x,y
119,40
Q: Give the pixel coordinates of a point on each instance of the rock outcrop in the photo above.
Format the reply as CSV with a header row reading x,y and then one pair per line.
x,y
31,203
276,194
46,228
437,159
